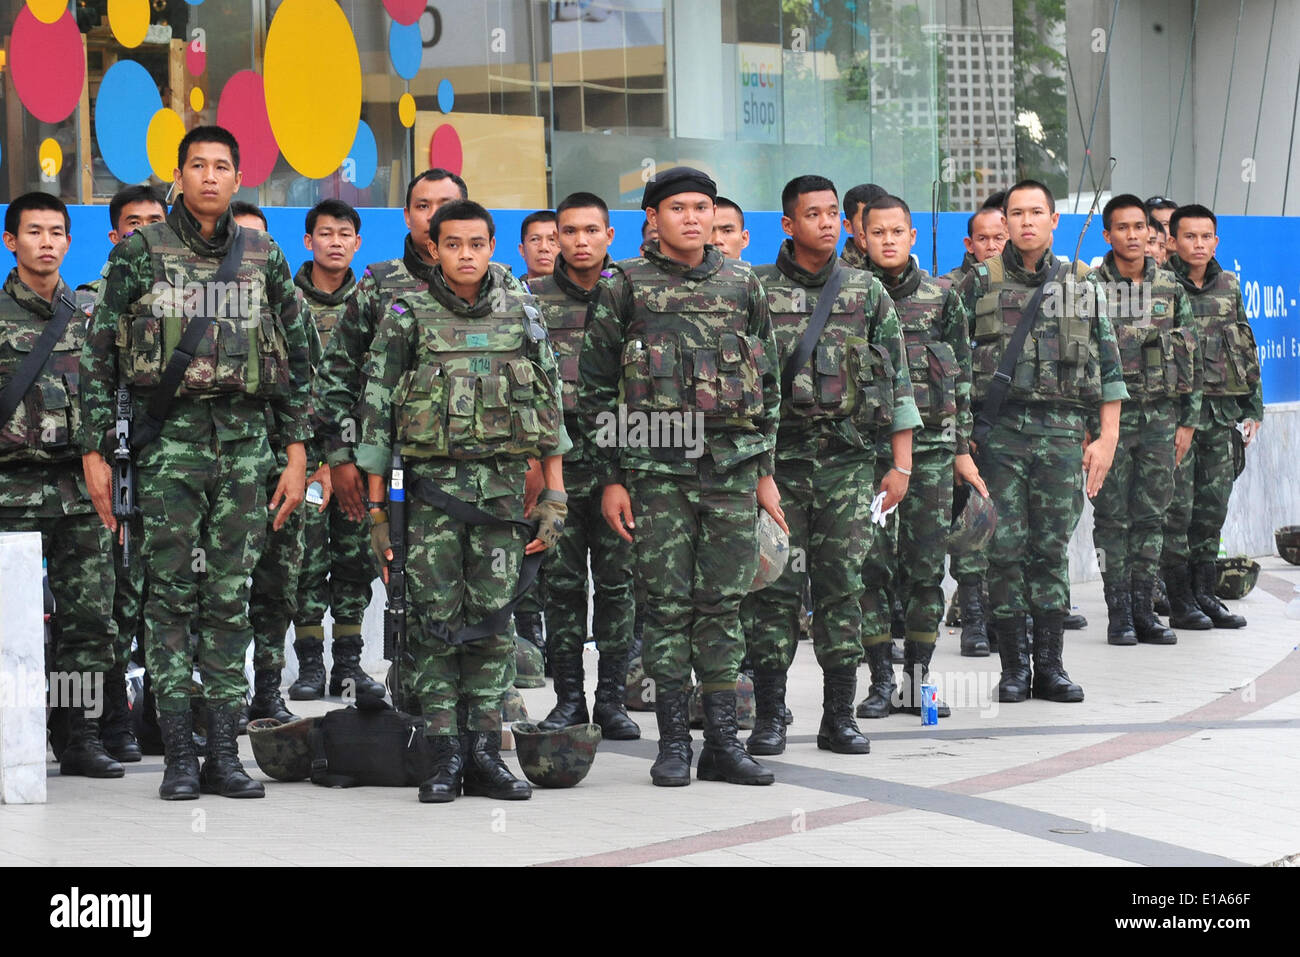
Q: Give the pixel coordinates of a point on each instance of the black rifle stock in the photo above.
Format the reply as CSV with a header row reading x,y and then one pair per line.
x,y
395,609
124,473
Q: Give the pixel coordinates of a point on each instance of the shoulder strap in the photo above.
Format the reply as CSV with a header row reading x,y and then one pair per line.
x,y
160,403
814,331
1001,384
30,368
320,765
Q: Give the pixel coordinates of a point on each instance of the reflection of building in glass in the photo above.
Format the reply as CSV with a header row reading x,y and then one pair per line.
x,y
978,138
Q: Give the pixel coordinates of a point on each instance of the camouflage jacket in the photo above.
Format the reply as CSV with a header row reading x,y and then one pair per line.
x,y
338,386
677,343
853,256
565,306
953,277
936,334
1070,360
1156,333
1233,387
40,460
855,383
405,385
132,313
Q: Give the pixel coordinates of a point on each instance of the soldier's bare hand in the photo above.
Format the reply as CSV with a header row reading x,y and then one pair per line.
x,y
534,482
894,485
322,475
99,481
292,487
1097,459
1182,442
769,500
616,506
1249,429
349,491
965,469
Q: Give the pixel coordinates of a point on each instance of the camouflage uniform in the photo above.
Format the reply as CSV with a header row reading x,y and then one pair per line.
x,y
853,256
41,484
1032,458
202,485
439,365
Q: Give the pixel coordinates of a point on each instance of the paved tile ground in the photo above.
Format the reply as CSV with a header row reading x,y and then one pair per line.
x,y
1179,756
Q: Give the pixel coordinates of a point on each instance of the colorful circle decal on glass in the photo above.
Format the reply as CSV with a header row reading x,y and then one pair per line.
x,y
166,130
49,156
405,12
405,48
197,100
126,103
242,110
363,158
311,59
196,56
129,21
47,65
446,95
445,149
47,11
406,110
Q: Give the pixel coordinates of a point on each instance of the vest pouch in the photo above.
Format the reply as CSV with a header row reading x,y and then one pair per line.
x,y
52,423
1130,340
708,396
1154,378
1049,368
202,374
918,367
492,410
1180,368
1214,361
144,347
943,370
421,403
568,366
873,373
832,377
461,396
1242,365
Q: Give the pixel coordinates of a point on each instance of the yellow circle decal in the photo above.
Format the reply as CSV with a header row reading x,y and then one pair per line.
x,y
48,11
196,99
129,20
406,110
50,158
166,130
312,76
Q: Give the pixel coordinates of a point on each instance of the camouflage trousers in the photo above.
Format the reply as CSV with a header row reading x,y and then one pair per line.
x,y
970,567
587,532
1202,486
76,550
338,568
538,599
459,574
830,535
128,600
204,516
1129,511
907,559
274,598
696,557
1036,482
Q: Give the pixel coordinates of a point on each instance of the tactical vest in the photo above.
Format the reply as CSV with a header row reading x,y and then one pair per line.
x,y
1157,356
931,362
1059,363
847,376
566,321
43,426
394,281
476,388
1230,357
324,315
244,348
686,349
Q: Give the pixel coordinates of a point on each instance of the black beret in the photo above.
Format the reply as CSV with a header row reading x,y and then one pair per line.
x,y
678,179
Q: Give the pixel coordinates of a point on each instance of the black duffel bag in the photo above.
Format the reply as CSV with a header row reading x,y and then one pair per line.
x,y
379,747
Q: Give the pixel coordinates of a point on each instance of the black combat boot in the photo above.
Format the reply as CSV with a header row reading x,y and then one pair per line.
x,y
486,775
1205,576
347,668
974,631
611,699
1072,622
916,669
570,699
768,736
267,702
528,626
84,754
672,768
181,759
1119,613
310,684
880,696
722,758
115,724
1150,630
445,783
838,731
223,773
1050,680
1013,648
1184,613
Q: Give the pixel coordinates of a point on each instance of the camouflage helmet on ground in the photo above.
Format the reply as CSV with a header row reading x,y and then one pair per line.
x,y
512,706
555,759
1288,543
529,667
639,695
746,713
773,551
282,749
1237,576
974,520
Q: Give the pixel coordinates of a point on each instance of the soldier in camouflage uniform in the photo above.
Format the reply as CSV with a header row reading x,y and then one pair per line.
x,y
338,382
465,374
856,201
909,562
854,382
1233,394
1156,334
202,484
566,297
682,335
41,489
338,567
1031,456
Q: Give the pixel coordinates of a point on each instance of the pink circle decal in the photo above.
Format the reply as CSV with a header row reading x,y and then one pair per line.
x,y
196,60
242,110
445,149
48,65
405,12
